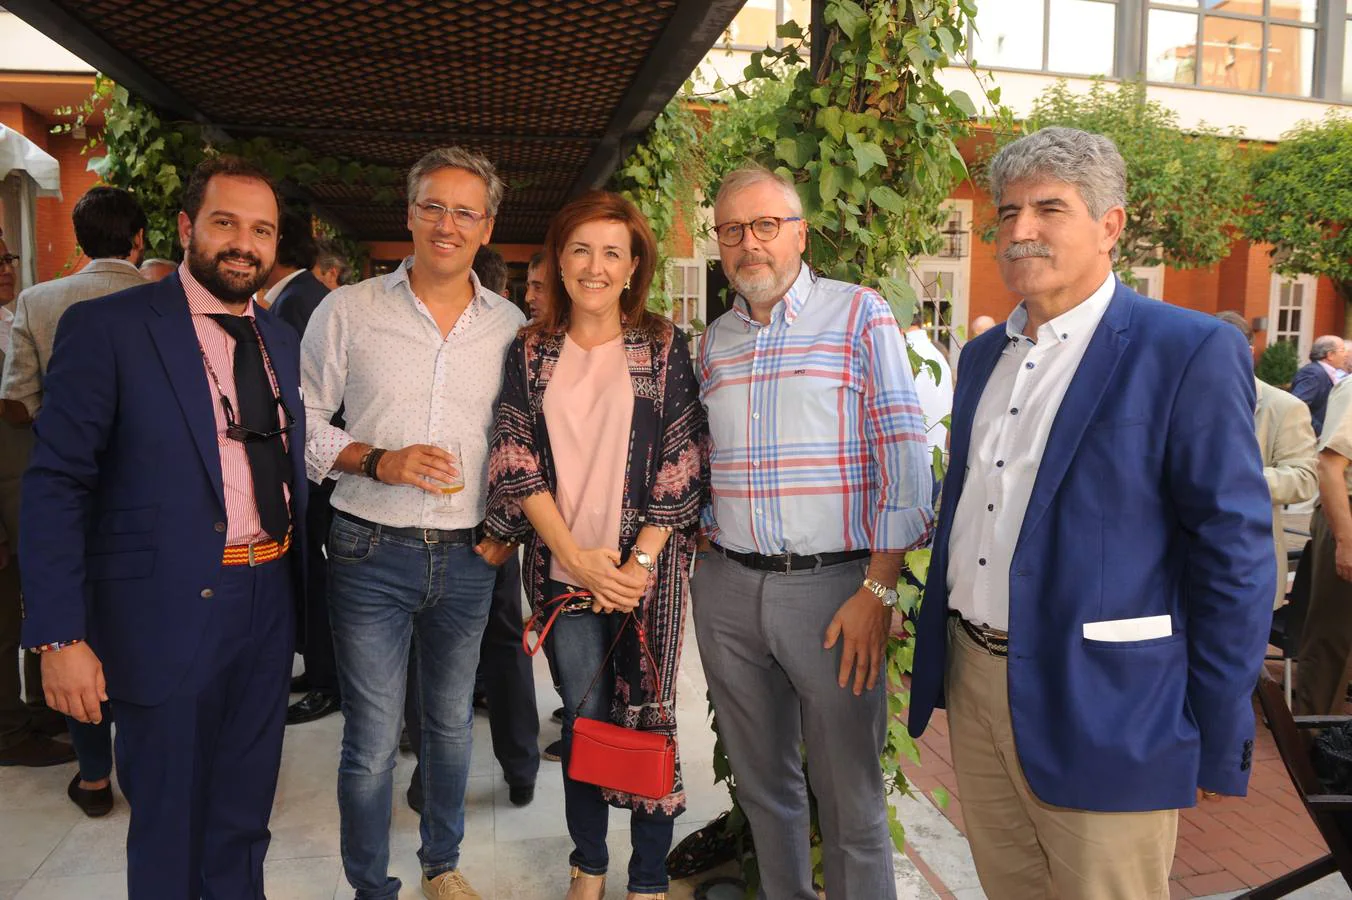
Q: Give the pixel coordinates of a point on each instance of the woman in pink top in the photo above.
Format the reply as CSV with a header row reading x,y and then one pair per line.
x,y
598,464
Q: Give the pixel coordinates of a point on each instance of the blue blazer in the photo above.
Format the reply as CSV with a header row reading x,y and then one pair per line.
x,y
1150,500
1312,384
123,510
299,300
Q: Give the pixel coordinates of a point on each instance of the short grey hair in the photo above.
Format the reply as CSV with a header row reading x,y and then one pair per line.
x,y
1089,161
1233,318
156,261
457,158
746,176
1324,345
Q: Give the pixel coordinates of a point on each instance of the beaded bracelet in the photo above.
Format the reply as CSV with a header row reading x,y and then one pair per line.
x,y
55,646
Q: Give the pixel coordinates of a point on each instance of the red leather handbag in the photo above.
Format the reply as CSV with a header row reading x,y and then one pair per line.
x,y
610,756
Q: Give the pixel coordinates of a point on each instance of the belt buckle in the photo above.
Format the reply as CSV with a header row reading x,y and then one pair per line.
x,y
430,536
788,563
253,560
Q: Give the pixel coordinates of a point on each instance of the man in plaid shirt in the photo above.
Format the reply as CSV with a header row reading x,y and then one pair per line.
x,y
820,483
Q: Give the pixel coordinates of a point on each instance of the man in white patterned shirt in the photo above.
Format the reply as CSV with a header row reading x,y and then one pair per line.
x,y
415,358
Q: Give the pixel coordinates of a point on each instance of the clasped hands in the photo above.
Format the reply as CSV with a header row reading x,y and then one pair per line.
x,y
614,587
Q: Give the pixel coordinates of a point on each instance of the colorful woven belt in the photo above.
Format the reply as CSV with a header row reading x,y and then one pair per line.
x,y
257,553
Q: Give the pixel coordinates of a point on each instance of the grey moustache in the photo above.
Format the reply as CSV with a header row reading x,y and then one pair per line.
x,y
1026,249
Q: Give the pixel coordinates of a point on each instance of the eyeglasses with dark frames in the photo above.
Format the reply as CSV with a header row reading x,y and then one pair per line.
x,y
765,228
9,259
435,213
245,434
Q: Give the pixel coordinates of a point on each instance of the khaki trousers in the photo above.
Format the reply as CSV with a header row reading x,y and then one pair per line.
x,y
1026,849
1326,643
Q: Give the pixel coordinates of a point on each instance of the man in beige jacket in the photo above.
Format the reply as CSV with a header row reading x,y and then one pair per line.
x,y
1287,442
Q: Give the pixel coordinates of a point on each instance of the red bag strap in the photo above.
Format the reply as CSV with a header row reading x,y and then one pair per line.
x,y
643,642
560,604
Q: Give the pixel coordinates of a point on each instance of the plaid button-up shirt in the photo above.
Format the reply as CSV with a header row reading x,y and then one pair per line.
x,y
818,438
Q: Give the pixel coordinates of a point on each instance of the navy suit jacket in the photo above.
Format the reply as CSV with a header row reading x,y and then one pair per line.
x,y
1312,384
299,299
123,512
1149,500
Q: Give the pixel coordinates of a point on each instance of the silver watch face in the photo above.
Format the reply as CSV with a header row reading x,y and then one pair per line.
x,y
643,559
890,598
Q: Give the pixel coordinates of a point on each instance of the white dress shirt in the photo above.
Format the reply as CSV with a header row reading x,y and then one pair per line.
x,y
936,397
376,350
1009,433
270,298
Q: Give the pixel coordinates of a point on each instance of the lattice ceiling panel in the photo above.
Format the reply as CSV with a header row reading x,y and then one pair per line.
x,y
384,82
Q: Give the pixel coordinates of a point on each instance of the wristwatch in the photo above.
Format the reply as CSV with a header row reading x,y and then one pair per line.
x,y
643,559
884,593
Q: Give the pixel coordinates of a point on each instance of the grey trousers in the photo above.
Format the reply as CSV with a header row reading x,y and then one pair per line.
x,y
774,688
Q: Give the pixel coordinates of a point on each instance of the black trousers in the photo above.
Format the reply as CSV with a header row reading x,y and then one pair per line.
x,y
317,643
513,718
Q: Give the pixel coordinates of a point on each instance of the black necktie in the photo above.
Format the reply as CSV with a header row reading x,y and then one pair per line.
x,y
258,411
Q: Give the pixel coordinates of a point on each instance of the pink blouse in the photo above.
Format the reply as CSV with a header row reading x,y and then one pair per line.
x,y
589,408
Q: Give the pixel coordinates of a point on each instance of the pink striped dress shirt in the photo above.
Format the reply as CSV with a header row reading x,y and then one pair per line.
x,y
243,525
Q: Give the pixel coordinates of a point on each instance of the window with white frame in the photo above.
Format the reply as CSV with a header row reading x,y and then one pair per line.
x,y
1256,46
941,281
1291,312
686,285
1149,281
1076,37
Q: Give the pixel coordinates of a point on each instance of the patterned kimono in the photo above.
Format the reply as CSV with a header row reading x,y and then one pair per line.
x,y
665,484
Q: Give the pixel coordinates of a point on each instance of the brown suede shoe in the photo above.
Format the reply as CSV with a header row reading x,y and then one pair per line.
x,y
36,751
449,886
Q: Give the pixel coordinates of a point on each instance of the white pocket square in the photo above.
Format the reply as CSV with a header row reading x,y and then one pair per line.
x,y
1119,630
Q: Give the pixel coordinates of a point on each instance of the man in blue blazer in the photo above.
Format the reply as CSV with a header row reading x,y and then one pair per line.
x,y
1101,584
1328,355
164,513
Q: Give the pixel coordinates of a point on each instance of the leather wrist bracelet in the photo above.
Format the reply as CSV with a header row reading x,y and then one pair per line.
x,y
370,461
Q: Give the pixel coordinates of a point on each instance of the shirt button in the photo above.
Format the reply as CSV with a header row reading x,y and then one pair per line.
x,y
758,511
1014,411
1064,336
220,528
755,465
999,464
990,507
208,593
755,415
981,561
1028,365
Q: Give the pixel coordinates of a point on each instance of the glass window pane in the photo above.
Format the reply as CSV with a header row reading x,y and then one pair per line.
x,y
1290,60
1231,53
1347,63
754,26
1300,10
1082,37
799,11
692,281
1171,47
1009,34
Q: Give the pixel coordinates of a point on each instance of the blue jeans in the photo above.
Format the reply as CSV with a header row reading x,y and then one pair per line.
x,y
384,591
577,644
93,745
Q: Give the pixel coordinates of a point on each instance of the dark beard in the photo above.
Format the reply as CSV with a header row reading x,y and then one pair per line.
x,y
228,286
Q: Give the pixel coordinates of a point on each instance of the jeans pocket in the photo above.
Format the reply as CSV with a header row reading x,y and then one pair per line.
x,y
349,543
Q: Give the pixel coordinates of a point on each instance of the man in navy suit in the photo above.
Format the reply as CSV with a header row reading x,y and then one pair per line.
x,y
164,513
294,293
1328,357
1101,584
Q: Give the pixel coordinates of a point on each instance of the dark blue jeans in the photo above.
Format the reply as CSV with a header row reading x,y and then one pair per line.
x,y
385,591
577,644
93,745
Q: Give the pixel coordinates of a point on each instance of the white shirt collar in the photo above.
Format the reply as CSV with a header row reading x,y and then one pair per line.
x,y
276,290
1072,323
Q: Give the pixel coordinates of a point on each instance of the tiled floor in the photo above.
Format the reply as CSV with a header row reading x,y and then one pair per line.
x,y
1224,846
50,851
